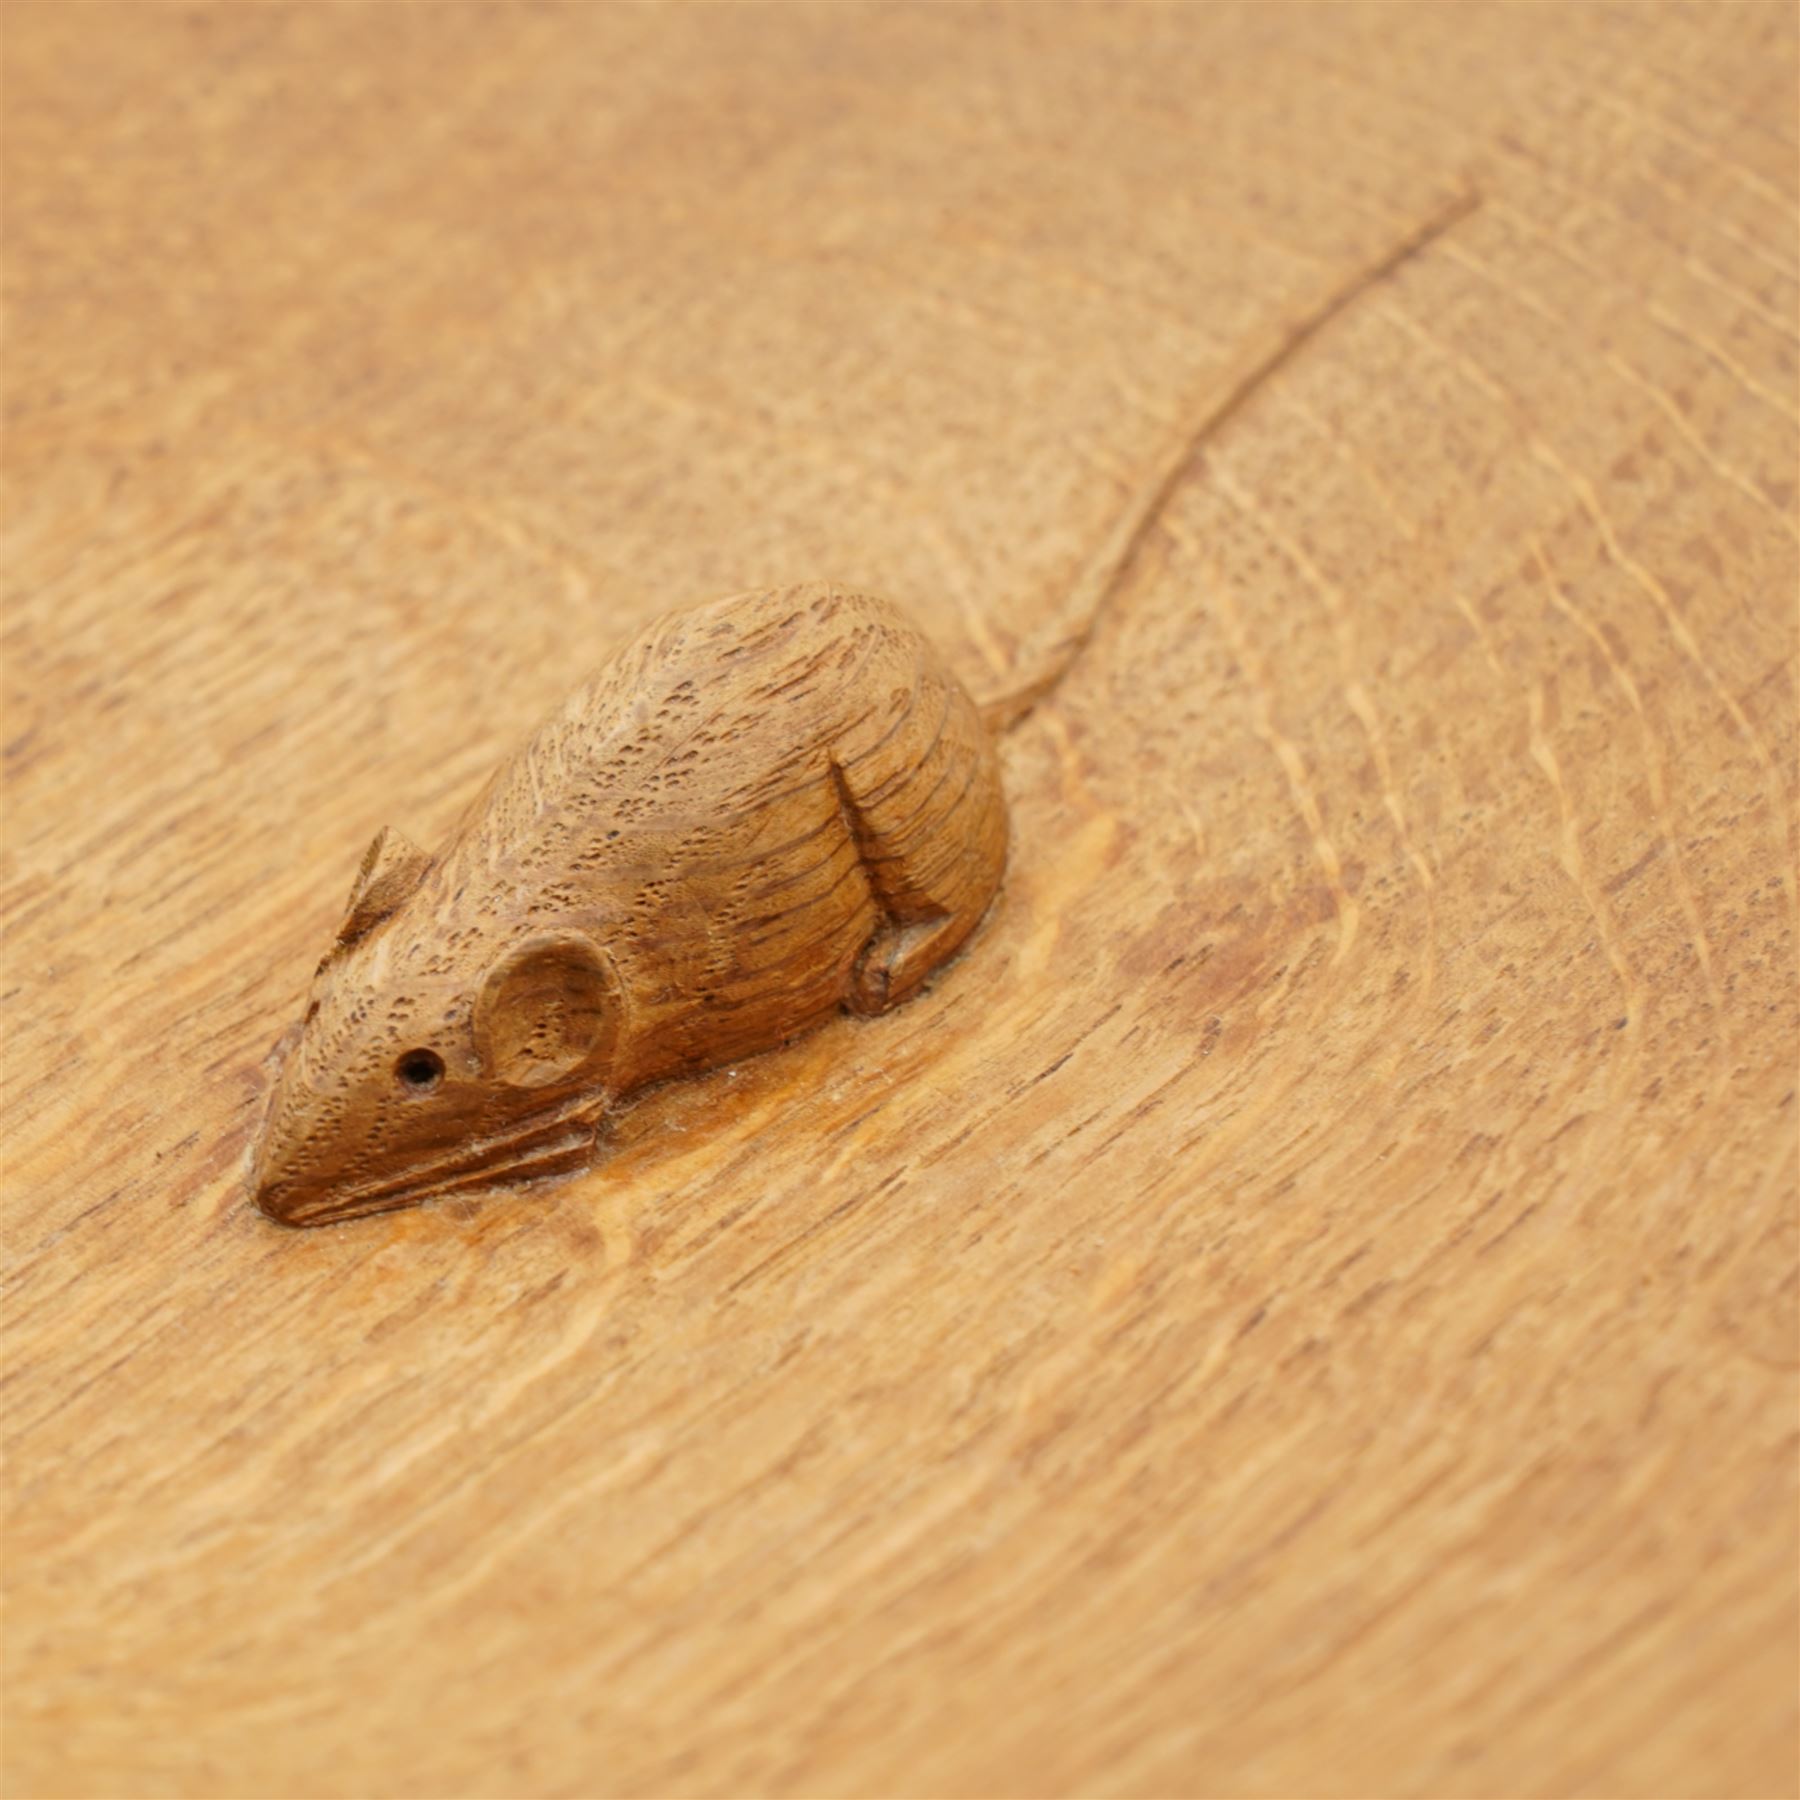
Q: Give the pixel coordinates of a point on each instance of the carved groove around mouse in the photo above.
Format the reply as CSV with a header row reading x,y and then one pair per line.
x,y
756,812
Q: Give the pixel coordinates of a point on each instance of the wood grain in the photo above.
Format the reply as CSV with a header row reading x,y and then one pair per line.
x,y
1311,1307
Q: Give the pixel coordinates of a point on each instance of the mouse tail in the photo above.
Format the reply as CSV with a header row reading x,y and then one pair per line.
x,y
1098,582
1001,713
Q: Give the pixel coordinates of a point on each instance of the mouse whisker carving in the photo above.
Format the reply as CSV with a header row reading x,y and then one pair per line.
x,y
756,813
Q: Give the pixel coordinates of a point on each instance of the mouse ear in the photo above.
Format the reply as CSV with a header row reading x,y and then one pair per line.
x,y
547,1006
391,869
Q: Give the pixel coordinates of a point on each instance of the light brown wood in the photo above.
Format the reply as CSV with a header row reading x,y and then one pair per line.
x,y
758,812
1307,1303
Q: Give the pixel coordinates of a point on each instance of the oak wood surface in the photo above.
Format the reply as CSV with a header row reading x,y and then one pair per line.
x,y
1307,1304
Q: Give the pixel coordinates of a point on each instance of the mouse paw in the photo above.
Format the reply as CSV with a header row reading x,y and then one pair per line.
x,y
894,962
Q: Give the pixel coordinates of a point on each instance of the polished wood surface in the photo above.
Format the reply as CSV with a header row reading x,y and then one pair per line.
x,y
1308,1303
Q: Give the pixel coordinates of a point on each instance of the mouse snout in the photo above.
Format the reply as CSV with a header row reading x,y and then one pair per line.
x,y
283,1167
279,1200
275,1175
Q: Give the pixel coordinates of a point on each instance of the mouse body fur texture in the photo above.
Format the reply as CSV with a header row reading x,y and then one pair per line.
x,y
756,812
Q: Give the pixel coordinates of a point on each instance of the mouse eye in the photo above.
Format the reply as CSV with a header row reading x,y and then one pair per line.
x,y
420,1070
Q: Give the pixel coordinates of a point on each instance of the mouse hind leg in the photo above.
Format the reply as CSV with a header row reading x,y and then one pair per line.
x,y
924,807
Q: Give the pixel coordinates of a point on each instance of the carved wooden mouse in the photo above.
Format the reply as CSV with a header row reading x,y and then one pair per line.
x,y
756,812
